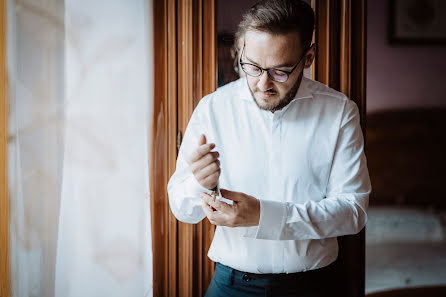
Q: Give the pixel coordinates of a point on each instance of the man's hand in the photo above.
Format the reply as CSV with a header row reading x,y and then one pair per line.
x,y
205,164
243,213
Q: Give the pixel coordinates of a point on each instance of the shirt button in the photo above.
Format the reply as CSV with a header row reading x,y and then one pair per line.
x,y
246,277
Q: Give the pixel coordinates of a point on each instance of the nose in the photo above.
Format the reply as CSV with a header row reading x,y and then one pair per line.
x,y
265,82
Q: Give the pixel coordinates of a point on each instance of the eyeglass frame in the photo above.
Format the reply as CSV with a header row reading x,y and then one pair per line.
x,y
288,73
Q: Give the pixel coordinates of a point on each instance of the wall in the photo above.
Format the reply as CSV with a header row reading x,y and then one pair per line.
x,y
229,13
401,76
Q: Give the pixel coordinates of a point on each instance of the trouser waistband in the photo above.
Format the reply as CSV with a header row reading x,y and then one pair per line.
x,y
268,279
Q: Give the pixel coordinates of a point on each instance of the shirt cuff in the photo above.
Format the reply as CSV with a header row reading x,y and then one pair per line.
x,y
194,188
271,223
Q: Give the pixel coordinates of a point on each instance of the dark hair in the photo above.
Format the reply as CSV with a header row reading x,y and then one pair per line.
x,y
280,17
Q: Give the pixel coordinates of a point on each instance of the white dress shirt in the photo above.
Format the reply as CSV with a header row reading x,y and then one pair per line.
x,y
305,163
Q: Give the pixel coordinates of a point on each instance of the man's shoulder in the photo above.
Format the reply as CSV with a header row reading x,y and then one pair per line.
x,y
231,86
223,99
329,98
231,91
322,91
237,89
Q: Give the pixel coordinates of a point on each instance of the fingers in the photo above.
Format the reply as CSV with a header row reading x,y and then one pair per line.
x,y
206,208
225,192
204,163
206,160
210,181
206,169
247,214
230,195
209,170
200,152
215,203
210,212
202,139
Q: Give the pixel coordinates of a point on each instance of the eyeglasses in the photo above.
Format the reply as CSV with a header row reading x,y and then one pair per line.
x,y
274,74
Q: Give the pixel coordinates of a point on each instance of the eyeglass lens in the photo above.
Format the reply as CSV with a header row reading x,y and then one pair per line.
x,y
274,74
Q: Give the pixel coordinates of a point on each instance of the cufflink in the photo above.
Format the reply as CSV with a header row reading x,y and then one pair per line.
x,y
214,193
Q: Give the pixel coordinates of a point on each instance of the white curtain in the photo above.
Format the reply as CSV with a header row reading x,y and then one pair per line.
x,y
81,89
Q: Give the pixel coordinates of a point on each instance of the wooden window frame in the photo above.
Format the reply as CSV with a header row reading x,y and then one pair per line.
x,y
341,28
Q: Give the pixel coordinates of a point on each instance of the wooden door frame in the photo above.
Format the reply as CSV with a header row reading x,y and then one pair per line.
x,y
186,71
4,197
341,36
168,272
183,48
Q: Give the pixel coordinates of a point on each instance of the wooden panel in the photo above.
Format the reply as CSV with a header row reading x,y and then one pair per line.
x,y
340,63
4,197
358,56
159,165
322,37
328,22
341,47
186,71
196,71
197,61
185,108
172,126
313,41
345,49
209,85
358,53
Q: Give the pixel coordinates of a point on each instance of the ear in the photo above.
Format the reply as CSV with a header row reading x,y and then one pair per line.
x,y
309,56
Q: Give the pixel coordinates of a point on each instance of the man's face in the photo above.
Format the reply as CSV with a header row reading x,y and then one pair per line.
x,y
274,51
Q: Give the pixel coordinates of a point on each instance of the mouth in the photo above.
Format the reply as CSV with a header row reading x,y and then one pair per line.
x,y
267,94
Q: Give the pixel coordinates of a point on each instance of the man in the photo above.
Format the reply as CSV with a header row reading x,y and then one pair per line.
x,y
288,152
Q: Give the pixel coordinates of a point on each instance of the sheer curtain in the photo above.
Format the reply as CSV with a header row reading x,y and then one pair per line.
x,y
81,82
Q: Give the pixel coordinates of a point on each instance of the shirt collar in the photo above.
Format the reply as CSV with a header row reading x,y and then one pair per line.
x,y
304,90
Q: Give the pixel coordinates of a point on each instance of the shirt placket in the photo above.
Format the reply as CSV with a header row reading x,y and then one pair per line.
x,y
276,188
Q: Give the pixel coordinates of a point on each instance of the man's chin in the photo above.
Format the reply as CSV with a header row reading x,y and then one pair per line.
x,y
267,103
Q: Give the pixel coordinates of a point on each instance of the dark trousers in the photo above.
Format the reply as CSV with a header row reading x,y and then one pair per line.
x,y
228,282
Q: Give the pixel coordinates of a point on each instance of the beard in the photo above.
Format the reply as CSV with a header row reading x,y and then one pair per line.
x,y
287,98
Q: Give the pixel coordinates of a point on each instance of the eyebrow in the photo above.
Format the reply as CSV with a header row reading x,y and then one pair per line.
x,y
273,67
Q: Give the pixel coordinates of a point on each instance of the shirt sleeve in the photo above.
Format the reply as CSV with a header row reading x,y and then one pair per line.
x,y
183,189
344,209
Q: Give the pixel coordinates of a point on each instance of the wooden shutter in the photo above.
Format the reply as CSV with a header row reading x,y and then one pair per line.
x,y
341,47
185,67
341,64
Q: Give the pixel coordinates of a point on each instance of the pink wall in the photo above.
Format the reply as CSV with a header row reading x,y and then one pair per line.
x,y
401,76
